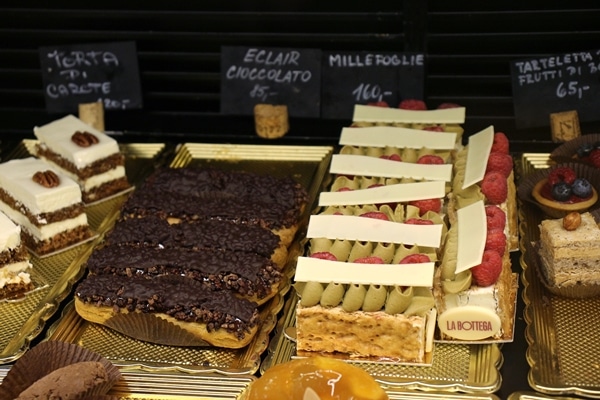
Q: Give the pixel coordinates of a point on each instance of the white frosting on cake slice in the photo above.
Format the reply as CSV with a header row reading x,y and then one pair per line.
x,y
10,239
401,192
390,136
350,227
351,164
94,180
16,179
10,234
480,146
56,136
387,114
310,269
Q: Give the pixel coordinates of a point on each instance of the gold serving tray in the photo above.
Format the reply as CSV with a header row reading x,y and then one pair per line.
x,y
307,165
23,320
537,396
468,368
562,333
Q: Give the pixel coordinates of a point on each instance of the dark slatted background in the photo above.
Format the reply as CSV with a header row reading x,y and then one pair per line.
x,y
468,46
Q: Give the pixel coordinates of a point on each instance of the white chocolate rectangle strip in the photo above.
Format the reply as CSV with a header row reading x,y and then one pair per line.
x,y
391,136
478,152
351,164
317,270
398,193
363,113
472,232
351,227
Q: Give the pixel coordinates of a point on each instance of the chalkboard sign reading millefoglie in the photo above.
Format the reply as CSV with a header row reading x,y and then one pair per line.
x,y
546,85
88,73
362,77
277,76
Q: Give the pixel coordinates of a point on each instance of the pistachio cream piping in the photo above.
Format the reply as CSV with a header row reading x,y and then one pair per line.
x,y
399,299
332,295
311,293
450,280
375,298
422,302
354,297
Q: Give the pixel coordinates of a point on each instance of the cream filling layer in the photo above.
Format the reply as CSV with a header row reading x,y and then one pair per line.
x,y
93,181
11,274
46,231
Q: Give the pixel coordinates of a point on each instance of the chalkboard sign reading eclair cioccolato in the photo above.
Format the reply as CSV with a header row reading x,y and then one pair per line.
x,y
89,73
556,83
363,77
266,75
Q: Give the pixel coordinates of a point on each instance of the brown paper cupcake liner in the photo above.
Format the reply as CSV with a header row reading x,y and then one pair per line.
x,y
524,191
567,151
579,291
151,328
49,356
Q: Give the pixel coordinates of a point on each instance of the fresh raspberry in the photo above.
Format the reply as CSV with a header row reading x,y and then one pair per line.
x,y
425,205
434,128
501,143
375,215
412,104
500,162
430,159
369,260
494,187
447,105
496,240
375,185
488,272
324,255
561,174
393,157
415,259
379,103
496,217
345,189
418,221
594,158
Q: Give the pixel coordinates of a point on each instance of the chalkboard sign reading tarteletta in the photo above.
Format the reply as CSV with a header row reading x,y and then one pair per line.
x,y
265,75
88,73
362,77
551,84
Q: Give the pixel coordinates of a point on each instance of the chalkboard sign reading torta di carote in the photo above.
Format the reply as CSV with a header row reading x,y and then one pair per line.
x,y
362,77
266,75
556,83
88,73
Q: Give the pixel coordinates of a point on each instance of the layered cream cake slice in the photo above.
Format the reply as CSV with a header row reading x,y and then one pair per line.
x,y
44,203
87,155
15,267
365,285
475,288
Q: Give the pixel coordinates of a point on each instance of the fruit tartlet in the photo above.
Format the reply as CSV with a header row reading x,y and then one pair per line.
x,y
583,149
562,189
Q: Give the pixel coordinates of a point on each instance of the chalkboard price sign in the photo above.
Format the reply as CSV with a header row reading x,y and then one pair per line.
x,y
362,77
266,75
88,73
557,83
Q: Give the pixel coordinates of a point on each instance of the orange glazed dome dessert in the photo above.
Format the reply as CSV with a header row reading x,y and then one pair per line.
x,y
315,378
563,192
